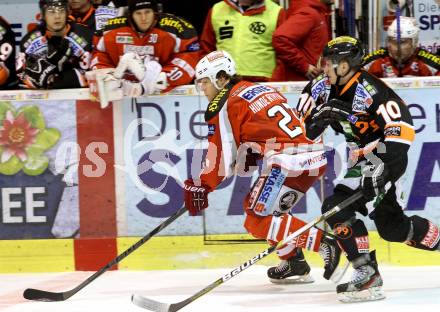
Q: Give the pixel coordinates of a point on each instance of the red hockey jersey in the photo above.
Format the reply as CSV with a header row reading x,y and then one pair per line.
x,y
248,115
422,63
172,42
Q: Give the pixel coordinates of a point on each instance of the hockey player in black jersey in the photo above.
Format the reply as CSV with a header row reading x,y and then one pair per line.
x,y
378,128
57,53
8,77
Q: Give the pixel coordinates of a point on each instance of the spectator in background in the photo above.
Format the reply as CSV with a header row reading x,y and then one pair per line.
x,y
8,77
244,28
56,54
404,58
299,41
151,51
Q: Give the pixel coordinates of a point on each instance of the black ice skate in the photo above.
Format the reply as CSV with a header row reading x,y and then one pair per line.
x,y
330,252
292,271
366,282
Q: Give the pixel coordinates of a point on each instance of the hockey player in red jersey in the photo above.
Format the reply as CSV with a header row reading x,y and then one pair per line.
x,y
158,50
378,128
248,121
402,57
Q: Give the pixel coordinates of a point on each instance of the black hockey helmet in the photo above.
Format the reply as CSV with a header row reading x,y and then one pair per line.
x,y
134,5
44,4
345,48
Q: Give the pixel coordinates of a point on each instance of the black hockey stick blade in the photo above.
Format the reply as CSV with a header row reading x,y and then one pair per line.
x,y
41,295
157,306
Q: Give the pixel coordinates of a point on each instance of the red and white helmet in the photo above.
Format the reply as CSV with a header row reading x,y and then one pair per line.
x,y
213,63
408,30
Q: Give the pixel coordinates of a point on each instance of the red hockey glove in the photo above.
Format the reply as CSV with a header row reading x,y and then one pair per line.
x,y
196,197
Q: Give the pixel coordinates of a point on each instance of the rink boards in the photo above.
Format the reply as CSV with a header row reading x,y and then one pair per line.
x,y
68,186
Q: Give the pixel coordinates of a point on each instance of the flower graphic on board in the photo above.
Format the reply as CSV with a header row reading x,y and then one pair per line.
x,y
23,140
15,135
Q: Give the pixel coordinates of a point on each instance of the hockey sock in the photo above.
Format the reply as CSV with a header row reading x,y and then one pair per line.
x,y
277,228
352,238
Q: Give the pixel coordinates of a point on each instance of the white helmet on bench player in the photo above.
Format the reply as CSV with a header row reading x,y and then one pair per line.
x,y
212,64
408,30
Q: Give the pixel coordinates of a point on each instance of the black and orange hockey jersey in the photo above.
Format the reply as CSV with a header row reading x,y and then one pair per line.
x,y
378,115
8,77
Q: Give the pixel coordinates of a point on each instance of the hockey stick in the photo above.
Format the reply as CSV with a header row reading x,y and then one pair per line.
x,y
157,306
42,295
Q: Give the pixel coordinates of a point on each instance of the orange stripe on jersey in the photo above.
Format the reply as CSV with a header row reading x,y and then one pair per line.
x,y
350,82
400,132
4,74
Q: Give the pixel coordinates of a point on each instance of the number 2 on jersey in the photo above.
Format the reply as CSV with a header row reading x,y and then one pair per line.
x,y
287,118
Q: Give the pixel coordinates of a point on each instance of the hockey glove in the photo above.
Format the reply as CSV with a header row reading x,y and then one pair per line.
x,y
196,197
131,89
333,111
39,73
59,51
154,79
373,181
130,63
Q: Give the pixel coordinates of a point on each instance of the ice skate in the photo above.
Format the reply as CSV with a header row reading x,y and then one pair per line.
x,y
291,271
366,282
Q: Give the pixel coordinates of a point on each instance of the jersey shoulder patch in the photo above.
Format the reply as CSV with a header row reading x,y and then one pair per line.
x,y
429,58
375,55
250,93
81,34
215,106
363,96
176,25
319,88
33,42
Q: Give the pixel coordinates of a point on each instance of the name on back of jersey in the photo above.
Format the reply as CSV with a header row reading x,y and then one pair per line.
x,y
260,96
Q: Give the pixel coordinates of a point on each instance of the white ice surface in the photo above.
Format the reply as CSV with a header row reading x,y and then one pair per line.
x,y
413,289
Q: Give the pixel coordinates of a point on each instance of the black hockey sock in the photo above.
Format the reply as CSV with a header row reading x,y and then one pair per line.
x,y
353,238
